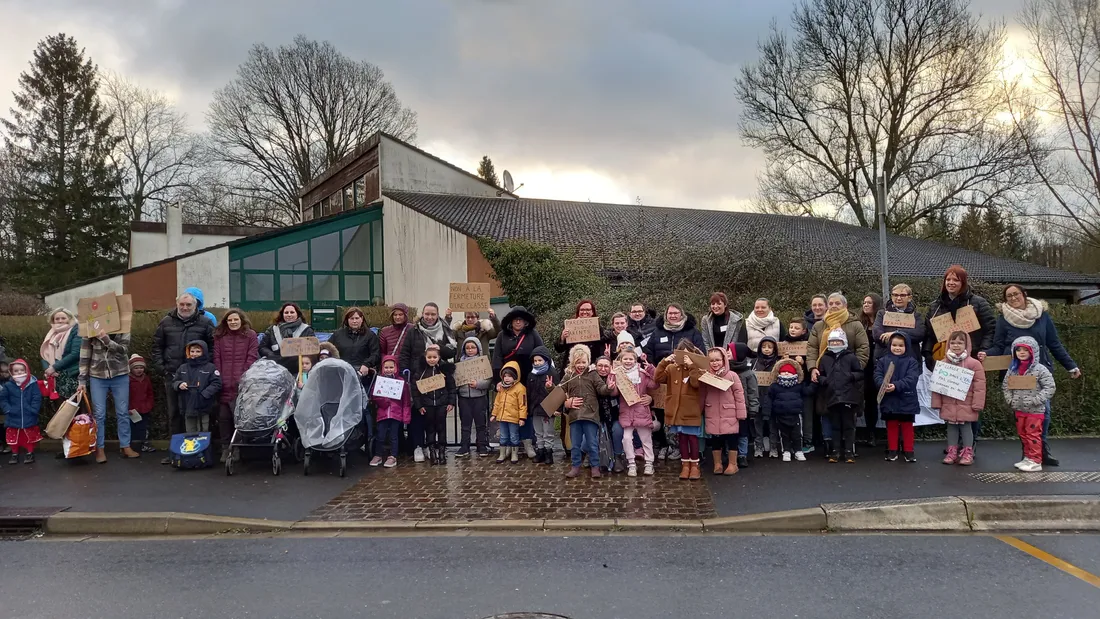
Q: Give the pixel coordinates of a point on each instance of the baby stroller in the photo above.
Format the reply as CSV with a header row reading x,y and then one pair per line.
x,y
262,414
330,411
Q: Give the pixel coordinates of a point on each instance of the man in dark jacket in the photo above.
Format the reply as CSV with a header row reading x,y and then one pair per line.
x,y
641,322
182,325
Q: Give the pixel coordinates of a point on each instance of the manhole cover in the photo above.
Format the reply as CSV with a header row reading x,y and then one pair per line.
x,y
1082,477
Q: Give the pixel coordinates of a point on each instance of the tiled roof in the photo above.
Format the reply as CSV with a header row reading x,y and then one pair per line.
x,y
595,231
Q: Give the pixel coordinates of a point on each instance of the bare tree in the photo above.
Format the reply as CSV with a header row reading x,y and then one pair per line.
x,y
860,89
156,154
1065,43
220,196
295,111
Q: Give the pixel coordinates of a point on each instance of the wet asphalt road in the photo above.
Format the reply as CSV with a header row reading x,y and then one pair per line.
x,y
578,577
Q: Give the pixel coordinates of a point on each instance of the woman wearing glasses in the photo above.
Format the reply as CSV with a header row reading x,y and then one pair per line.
x,y
900,302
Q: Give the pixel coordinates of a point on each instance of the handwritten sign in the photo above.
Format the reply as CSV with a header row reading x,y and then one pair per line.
x,y
996,363
391,388
699,361
431,383
473,370
942,325
885,381
553,400
764,379
716,381
300,347
952,381
626,388
967,320
125,312
900,320
99,313
582,330
793,349
660,397
1016,383
469,297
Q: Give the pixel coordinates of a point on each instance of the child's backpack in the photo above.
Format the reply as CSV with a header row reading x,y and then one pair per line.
x,y
191,451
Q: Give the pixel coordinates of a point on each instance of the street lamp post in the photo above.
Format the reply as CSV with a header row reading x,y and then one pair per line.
x,y
880,209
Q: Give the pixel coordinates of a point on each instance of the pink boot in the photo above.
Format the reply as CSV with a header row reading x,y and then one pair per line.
x,y
952,455
967,457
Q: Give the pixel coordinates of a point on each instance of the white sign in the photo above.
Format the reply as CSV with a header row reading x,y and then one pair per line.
x,y
391,388
951,380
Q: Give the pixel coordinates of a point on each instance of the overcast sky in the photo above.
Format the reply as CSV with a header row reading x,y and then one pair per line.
x,y
580,99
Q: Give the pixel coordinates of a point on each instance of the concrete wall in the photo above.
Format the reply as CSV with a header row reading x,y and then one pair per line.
x,y
406,169
423,256
68,298
208,270
148,247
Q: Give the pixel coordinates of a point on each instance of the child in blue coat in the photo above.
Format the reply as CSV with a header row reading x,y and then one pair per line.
x,y
21,400
900,405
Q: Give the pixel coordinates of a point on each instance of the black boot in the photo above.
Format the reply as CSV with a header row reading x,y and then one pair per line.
x,y
1048,459
540,456
549,459
742,462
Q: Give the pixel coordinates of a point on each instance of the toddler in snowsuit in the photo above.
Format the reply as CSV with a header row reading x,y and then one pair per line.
x,y
1029,404
899,406
785,397
21,401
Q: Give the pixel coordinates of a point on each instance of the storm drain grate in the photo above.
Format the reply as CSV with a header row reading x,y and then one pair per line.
x,y
1079,477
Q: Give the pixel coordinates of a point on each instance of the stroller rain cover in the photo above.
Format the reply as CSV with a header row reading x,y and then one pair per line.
x,y
262,397
330,406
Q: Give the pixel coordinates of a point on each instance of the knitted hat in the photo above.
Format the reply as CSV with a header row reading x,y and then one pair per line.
x,y
788,368
136,361
624,337
838,334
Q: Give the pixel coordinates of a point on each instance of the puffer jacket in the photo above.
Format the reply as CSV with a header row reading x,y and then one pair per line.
x,y
916,334
783,400
968,410
21,403
749,384
510,405
1031,401
391,336
642,329
682,399
439,397
723,410
171,337
482,388
388,408
842,377
857,341
944,304
902,403
638,415
203,383
358,348
662,341
589,386
1044,332
234,353
512,347
536,383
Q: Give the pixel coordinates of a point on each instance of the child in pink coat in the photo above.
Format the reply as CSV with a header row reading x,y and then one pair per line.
x,y
959,414
637,417
723,411
392,413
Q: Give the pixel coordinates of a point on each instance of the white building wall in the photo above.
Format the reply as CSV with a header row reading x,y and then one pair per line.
x,y
405,169
149,247
423,256
68,298
209,271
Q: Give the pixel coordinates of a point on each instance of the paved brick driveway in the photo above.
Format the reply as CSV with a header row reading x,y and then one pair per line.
x,y
479,489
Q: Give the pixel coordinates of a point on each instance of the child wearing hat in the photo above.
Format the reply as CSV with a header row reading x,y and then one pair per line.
x,y
841,376
141,403
21,401
785,398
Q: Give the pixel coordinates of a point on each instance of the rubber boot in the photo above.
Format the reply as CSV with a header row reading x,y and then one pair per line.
x,y
716,454
694,474
529,449
503,454
685,469
515,454
540,456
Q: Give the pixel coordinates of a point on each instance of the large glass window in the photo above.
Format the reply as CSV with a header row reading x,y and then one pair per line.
x,y
259,286
357,248
264,261
294,257
325,252
293,288
326,287
357,288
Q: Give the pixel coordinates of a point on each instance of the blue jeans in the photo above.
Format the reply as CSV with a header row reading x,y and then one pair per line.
x,y
827,430
1046,430
585,434
509,434
119,388
617,438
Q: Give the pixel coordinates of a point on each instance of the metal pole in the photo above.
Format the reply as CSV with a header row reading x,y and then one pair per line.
x,y
880,206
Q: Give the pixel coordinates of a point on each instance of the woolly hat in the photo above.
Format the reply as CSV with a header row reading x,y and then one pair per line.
x,y
838,334
787,368
624,338
136,361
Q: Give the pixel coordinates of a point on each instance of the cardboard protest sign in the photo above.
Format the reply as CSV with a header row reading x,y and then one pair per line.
x,y
473,370
388,388
553,400
431,383
98,313
942,325
764,379
660,397
996,363
793,349
469,297
951,380
1021,382
716,381
966,320
582,330
699,361
885,381
899,319
626,388
125,312
300,347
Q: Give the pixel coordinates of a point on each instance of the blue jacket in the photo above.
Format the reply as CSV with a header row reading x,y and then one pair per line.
x,y
1043,331
203,383
20,405
783,400
902,403
201,307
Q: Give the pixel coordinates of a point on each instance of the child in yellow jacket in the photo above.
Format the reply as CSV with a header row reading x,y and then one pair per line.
x,y
510,409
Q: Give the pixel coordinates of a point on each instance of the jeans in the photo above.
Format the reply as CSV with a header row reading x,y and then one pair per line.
x,y
388,432
509,434
827,429
617,438
743,439
119,388
585,434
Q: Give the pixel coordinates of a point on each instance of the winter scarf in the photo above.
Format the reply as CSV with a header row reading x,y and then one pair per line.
x,y
787,381
435,334
288,328
833,319
1025,318
759,328
54,344
956,359
675,327
634,374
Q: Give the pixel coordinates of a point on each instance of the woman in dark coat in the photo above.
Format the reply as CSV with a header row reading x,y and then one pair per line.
x,y
429,329
356,343
955,294
236,348
288,323
516,341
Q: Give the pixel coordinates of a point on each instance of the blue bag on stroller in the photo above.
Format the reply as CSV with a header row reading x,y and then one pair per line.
x,y
191,451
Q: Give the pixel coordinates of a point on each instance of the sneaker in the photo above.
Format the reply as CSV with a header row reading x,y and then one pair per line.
x,y
166,461
648,469
462,453
1021,463
418,454
758,453
850,457
375,461
662,453
909,456
801,457
224,456
28,459
967,457
147,448
891,456
483,454
14,459
1030,466
808,449
673,453
775,454
742,462
632,470
786,456
834,457
390,462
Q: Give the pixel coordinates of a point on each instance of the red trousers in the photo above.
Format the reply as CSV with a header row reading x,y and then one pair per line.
x,y
1030,428
893,427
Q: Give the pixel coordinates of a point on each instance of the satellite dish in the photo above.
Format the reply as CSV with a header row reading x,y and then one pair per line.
x,y
509,186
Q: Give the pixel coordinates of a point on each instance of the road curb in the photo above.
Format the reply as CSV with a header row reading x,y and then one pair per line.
x,y
807,520
931,514
1061,512
155,523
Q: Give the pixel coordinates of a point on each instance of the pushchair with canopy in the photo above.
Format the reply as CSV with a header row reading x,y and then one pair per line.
x,y
330,412
261,415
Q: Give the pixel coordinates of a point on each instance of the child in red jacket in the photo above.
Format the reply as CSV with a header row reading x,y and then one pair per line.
x,y
392,412
141,403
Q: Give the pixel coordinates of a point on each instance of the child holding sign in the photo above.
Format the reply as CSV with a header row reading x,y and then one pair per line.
x,y
392,413
637,416
473,404
434,405
1028,387
960,414
899,405
723,410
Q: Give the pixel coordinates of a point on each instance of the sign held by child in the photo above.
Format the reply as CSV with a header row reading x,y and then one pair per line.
x,y
716,381
793,349
432,383
626,388
391,388
473,370
951,380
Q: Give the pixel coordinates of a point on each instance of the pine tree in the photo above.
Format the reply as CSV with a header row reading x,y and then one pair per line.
x,y
994,228
59,140
970,233
936,227
486,171
1013,242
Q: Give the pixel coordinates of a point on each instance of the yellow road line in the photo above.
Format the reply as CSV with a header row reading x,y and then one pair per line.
x,y
1050,559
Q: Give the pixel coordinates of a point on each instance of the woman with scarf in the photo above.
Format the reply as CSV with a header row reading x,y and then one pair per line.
x,y
472,324
1023,316
901,302
721,326
762,323
60,353
872,303
430,330
288,323
837,316
671,329
585,309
